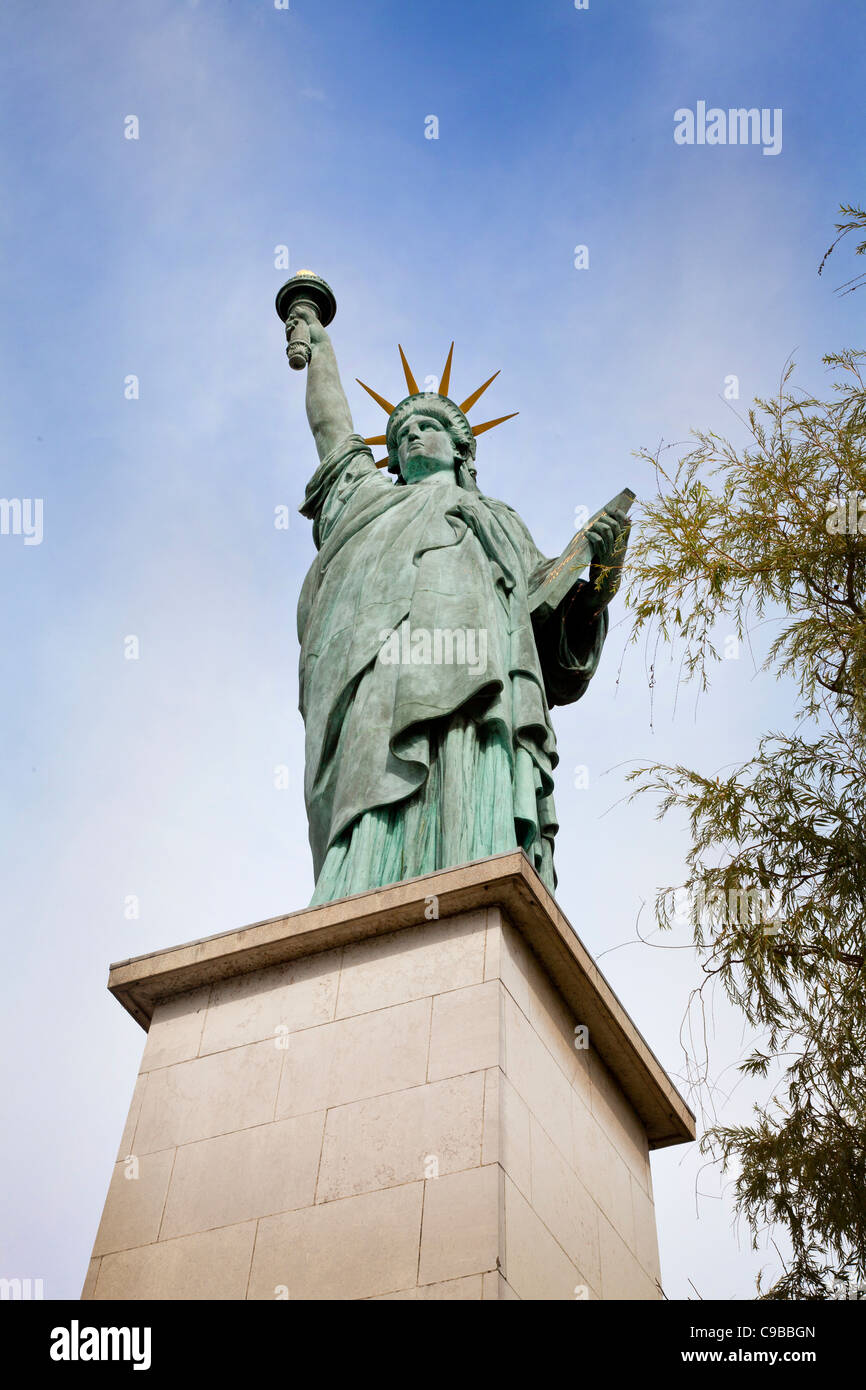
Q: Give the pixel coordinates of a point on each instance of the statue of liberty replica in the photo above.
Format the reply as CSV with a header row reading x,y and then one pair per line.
x,y
435,637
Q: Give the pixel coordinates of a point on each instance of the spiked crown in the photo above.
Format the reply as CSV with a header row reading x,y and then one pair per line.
x,y
435,403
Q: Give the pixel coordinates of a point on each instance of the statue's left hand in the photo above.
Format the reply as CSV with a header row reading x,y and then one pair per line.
x,y
609,538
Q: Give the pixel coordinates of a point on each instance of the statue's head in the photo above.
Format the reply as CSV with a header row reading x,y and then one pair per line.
x,y
428,433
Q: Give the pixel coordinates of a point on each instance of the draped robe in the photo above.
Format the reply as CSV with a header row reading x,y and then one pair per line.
x,y
413,765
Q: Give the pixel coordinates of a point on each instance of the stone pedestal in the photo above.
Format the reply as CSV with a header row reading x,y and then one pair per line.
x,y
427,1091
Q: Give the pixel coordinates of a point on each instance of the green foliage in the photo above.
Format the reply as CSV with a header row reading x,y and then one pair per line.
x,y
754,534
856,221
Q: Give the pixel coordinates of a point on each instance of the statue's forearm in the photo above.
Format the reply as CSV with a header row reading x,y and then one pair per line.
x,y
569,645
327,408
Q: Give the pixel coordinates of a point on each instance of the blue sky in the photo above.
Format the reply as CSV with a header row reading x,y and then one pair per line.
x,y
155,257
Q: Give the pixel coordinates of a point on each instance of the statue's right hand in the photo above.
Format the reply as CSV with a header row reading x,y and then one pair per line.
x,y
306,314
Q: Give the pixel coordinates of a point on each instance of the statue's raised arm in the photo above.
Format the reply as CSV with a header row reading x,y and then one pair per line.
x,y
327,408
307,305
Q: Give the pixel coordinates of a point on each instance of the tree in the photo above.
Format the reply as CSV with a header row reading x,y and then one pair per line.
x,y
776,871
856,220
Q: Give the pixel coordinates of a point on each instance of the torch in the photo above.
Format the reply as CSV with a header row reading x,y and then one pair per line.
x,y
310,289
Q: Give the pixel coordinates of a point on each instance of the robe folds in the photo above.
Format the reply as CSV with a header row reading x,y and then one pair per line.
x,y
424,686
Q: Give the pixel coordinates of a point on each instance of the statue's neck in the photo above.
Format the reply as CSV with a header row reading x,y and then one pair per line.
x,y
431,471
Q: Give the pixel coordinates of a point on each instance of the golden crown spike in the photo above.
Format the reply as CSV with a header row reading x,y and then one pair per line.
x,y
411,383
444,384
445,379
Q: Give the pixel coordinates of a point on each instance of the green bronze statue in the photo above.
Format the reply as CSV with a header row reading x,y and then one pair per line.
x,y
435,637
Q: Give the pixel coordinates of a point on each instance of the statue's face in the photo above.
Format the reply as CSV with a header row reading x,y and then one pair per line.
x,y
425,448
